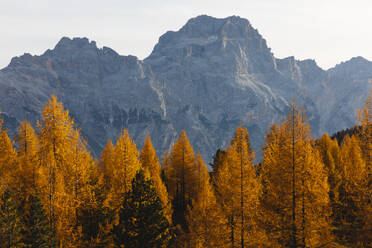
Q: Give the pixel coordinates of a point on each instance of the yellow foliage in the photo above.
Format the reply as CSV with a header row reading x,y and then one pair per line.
x,y
355,197
295,200
205,219
126,164
238,191
8,158
150,162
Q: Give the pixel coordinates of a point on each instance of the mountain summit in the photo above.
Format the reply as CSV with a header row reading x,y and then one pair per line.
x,y
207,78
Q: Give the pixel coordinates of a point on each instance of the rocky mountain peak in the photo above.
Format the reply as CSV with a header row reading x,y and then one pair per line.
x,y
76,43
204,40
205,26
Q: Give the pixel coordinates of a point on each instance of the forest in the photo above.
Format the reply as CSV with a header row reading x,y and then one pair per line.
x,y
305,192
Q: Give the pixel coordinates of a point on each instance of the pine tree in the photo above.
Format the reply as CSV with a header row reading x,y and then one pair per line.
x,y
296,191
181,178
205,219
150,162
11,227
238,190
38,233
142,222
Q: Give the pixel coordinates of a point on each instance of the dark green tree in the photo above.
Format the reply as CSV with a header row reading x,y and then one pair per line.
x,y
37,233
141,218
10,224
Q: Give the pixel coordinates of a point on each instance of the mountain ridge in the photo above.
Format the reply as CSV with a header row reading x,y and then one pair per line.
x,y
208,77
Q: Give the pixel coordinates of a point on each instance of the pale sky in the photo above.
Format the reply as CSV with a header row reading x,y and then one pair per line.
x,y
329,31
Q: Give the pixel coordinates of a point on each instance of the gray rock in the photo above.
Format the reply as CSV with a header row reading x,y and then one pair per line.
x,y
207,78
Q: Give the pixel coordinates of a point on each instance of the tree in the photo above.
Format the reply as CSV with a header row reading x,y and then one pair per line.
x,y
126,165
181,178
295,186
8,158
150,162
365,120
27,179
106,163
10,224
205,219
354,226
66,165
56,138
142,222
38,233
238,190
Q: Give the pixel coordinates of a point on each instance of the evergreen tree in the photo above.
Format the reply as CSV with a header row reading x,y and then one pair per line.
x,y
11,227
141,218
38,233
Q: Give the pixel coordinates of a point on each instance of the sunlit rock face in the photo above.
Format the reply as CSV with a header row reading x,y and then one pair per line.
x,y
207,78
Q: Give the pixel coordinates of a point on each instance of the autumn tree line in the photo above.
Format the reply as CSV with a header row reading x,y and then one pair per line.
x,y
304,192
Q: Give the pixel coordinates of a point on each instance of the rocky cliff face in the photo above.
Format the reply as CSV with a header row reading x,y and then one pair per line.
x,y
207,78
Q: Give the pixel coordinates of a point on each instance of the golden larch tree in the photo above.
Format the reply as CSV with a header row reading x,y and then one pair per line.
x,y
150,162
28,170
64,161
126,164
205,219
181,178
295,186
355,198
8,158
238,189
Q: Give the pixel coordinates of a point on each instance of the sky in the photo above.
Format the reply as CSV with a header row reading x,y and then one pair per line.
x,y
329,31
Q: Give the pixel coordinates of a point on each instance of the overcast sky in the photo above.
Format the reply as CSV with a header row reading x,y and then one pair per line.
x,y
329,31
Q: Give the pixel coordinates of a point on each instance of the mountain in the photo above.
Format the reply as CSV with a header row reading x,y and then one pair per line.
x,y
207,78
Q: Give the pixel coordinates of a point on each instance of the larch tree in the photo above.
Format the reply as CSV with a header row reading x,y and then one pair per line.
x,y
181,178
55,135
331,157
64,162
126,164
238,189
365,121
204,218
150,162
8,158
28,169
354,226
106,163
295,186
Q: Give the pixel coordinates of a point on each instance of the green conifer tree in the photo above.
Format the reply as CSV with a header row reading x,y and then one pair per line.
x,y
10,224
38,233
142,222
